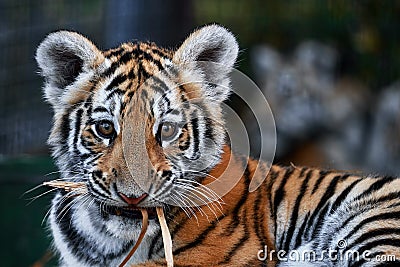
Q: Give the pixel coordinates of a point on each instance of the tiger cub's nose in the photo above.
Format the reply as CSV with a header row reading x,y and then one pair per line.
x,y
132,200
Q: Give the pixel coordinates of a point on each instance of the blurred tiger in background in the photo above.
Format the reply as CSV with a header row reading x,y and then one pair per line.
x,y
326,119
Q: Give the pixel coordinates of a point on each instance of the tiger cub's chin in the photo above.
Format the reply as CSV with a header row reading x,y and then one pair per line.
x,y
125,227
98,218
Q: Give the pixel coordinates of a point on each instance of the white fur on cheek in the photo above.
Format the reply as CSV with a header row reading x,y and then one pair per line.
x,y
59,242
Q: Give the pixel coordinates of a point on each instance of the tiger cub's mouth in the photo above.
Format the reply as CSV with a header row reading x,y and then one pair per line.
x,y
129,212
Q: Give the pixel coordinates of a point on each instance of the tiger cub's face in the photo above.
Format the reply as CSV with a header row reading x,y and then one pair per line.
x,y
140,125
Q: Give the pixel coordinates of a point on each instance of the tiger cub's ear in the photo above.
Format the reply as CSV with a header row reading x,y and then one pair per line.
x,y
62,57
210,44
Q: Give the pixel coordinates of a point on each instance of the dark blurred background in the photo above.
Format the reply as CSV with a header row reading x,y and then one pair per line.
x,y
329,70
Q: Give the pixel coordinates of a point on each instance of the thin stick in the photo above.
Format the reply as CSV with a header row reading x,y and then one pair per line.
x,y
145,223
166,238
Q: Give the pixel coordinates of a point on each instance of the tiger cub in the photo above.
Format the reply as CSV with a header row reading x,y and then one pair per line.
x,y
143,132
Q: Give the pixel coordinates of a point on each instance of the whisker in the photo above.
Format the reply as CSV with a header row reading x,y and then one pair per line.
x,y
40,195
189,198
91,203
67,207
177,203
57,172
76,195
32,189
206,203
86,197
211,205
181,203
207,194
45,216
200,186
203,173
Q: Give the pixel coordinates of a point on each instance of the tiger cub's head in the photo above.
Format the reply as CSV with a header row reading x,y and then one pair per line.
x,y
140,125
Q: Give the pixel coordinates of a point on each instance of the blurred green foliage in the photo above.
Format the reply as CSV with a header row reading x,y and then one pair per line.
x,y
366,33
24,240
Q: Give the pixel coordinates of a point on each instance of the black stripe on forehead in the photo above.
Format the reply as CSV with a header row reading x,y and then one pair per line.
x,y
159,85
172,111
150,58
114,52
132,74
119,79
134,52
114,92
125,57
114,66
142,73
160,53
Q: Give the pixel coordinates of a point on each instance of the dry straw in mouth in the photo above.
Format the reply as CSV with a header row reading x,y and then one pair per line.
x,y
80,188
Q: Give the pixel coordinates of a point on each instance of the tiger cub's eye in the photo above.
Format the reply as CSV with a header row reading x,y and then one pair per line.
x,y
105,129
168,131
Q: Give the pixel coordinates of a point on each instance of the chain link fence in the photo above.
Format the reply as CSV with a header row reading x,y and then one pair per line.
x,y
26,119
